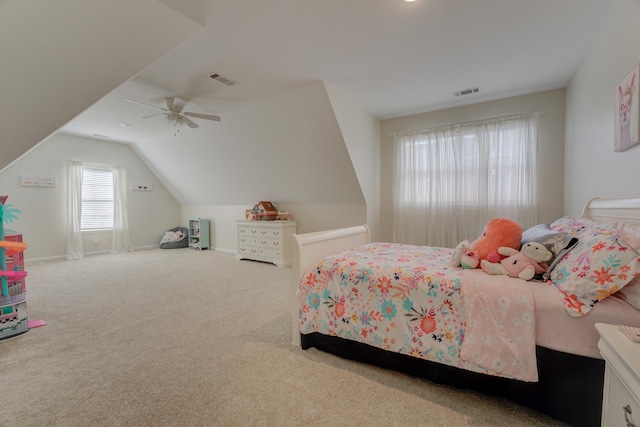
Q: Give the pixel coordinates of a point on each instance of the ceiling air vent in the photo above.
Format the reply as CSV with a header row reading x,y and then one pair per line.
x,y
466,91
223,79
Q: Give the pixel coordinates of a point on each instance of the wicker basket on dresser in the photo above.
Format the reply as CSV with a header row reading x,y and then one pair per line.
x,y
267,241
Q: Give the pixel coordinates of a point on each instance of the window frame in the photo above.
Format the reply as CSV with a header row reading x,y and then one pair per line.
x,y
103,194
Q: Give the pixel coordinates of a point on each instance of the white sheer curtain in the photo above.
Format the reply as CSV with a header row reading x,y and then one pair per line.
x,y
120,241
74,210
450,181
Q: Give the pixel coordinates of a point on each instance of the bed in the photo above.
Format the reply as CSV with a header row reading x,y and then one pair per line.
x,y
388,325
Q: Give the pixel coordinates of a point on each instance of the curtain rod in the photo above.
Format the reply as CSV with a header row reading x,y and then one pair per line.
x,y
507,116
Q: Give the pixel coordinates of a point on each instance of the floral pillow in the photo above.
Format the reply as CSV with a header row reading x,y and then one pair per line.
x,y
581,226
629,232
600,264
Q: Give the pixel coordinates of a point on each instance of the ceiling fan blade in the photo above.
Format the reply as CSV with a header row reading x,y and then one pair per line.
x,y
202,116
175,104
152,115
144,103
189,122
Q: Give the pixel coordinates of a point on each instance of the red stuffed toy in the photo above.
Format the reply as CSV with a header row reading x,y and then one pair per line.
x,y
499,232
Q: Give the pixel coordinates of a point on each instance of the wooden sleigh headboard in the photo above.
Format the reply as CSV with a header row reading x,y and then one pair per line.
x,y
611,210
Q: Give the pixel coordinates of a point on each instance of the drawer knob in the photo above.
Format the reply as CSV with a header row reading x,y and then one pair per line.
x,y
627,411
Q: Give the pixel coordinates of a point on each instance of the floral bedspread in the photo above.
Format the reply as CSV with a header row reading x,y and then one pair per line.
x,y
410,300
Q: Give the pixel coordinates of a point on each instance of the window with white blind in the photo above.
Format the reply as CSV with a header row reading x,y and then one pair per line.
x,y
97,199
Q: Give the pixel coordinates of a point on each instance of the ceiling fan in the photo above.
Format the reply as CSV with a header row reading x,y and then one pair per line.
x,y
173,113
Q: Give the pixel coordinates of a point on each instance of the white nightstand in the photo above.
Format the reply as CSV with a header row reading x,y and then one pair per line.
x,y
620,400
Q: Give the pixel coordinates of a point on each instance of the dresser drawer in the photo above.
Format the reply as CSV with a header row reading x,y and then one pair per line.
x,y
247,231
269,243
266,241
248,241
258,253
261,233
271,254
259,242
274,233
621,403
248,251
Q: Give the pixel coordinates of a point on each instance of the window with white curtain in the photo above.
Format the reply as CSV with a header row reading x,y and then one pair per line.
x,y
97,199
450,180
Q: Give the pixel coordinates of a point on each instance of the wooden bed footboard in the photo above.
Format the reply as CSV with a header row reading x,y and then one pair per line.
x,y
310,248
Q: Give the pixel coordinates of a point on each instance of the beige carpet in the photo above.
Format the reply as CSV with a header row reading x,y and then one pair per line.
x,y
187,338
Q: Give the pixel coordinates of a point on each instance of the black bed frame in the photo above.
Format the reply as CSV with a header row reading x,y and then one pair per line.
x,y
569,387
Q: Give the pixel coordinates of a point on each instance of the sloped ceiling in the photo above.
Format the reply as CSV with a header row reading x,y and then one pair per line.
x,y
390,57
60,57
287,148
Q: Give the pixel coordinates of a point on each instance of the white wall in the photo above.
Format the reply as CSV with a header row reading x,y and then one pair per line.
x,y
224,236
550,146
288,149
43,218
592,168
361,133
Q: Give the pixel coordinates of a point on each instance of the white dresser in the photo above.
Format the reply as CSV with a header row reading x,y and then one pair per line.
x,y
620,401
268,241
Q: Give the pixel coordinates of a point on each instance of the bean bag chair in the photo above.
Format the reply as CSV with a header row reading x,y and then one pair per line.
x,y
175,238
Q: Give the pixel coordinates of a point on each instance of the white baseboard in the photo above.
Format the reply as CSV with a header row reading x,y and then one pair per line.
x,y
226,251
86,254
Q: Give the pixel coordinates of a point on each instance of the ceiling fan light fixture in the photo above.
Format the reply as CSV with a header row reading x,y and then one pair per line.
x,y
170,119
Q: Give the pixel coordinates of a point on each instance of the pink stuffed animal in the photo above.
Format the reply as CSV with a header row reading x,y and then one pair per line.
x,y
525,264
499,232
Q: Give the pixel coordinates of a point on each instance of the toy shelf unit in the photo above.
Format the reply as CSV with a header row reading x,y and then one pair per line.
x,y
13,298
199,234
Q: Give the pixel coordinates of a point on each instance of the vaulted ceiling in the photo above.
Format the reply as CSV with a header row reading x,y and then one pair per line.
x,y
69,64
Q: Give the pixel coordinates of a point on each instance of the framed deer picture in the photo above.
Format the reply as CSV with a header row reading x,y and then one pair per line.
x,y
627,115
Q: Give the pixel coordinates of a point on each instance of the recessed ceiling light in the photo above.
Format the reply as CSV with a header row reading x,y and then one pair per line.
x,y
125,125
409,1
